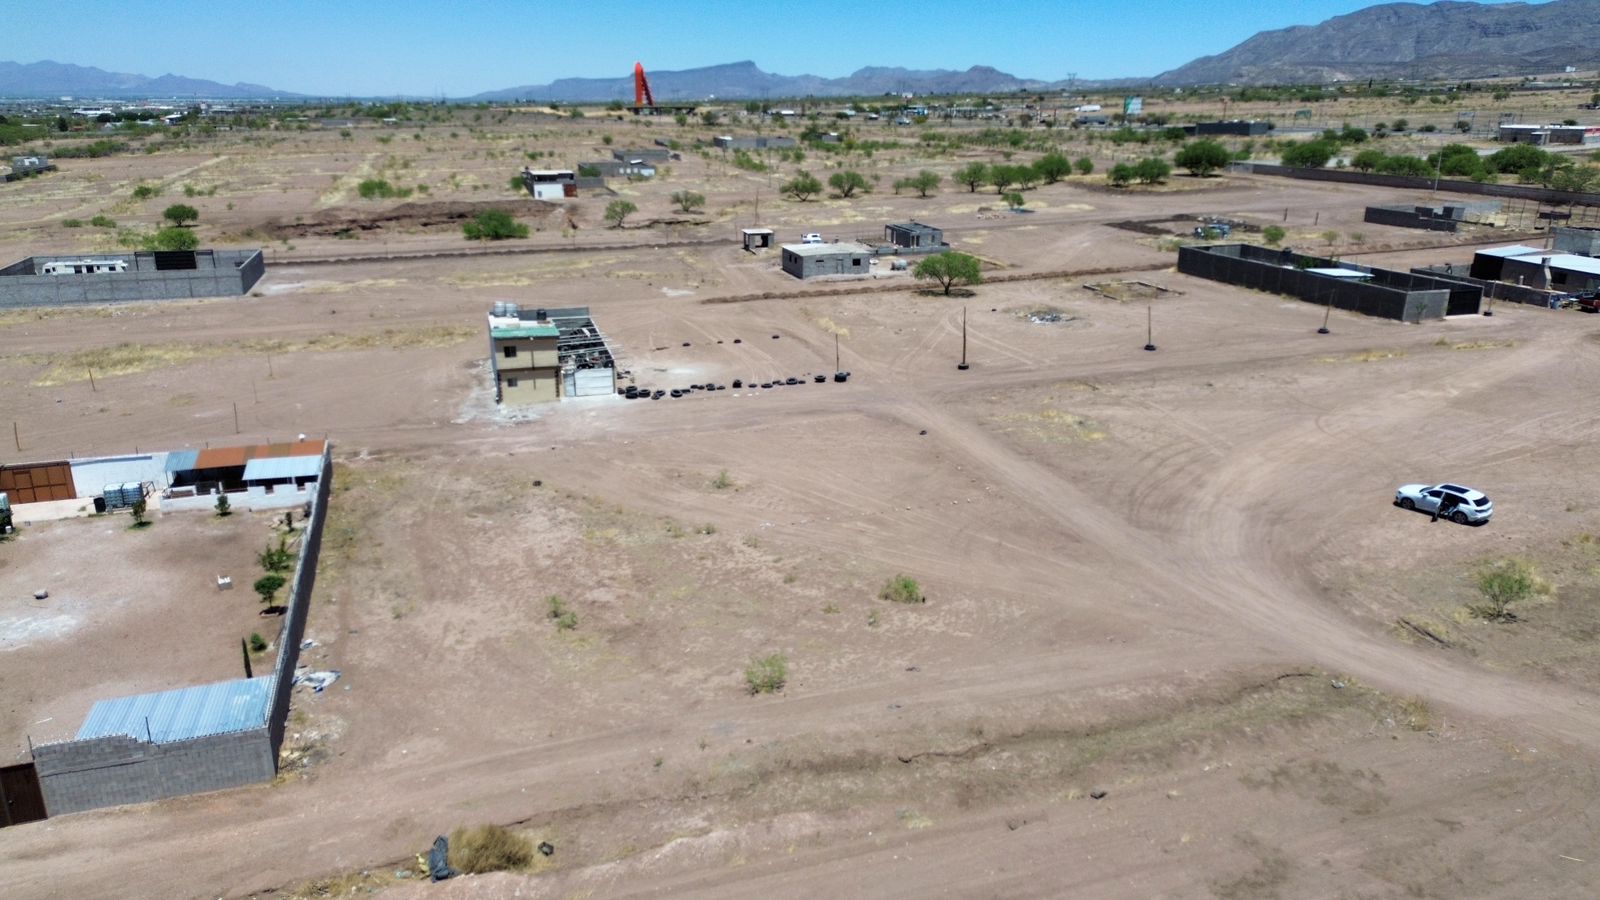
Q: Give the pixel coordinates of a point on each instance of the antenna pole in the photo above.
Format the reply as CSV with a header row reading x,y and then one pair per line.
x,y
836,352
1149,327
963,366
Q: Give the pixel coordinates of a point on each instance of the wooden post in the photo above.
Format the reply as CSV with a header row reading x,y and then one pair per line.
x,y
15,436
92,387
235,418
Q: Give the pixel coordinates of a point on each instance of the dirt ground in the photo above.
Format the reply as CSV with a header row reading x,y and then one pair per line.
x,y
1164,651
130,610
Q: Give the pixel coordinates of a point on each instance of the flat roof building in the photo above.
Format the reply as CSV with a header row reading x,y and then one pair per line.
x,y
760,142
915,236
1580,241
542,355
550,184
1551,271
819,260
756,238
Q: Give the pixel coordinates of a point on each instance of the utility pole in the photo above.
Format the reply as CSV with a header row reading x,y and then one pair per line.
x,y
963,364
1149,327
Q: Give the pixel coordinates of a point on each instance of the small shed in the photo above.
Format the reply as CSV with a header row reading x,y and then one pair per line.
x,y
756,238
550,184
914,236
816,260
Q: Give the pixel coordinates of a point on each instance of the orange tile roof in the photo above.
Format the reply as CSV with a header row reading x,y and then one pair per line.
x,y
233,457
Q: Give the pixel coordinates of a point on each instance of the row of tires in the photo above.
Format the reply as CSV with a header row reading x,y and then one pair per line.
x,y
637,393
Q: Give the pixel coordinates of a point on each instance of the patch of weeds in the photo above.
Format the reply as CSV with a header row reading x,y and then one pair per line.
x,y
831,609
71,223
902,589
722,482
767,674
790,578
674,530
751,541
565,619
872,619
707,528
489,848
1414,713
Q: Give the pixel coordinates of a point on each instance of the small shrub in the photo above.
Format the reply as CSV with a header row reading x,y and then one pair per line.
x,y
1273,234
380,189
493,225
489,848
140,507
267,586
71,223
272,559
258,644
1503,583
145,192
707,528
556,606
767,674
180,214
103,222
173,238
567,621
224,508
902,589
722,482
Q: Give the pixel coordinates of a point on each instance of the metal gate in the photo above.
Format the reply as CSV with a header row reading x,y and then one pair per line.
x,y
21,800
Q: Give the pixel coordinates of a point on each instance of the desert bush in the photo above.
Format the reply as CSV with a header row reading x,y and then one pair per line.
x,y
258,644
274,559
1273,234
145,192
493,225
172,238
103,222
489,848
723,481
1503,583
224,507
380,189
902,589
767,674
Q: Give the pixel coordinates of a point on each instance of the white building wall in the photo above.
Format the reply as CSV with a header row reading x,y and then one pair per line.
x,y
90,476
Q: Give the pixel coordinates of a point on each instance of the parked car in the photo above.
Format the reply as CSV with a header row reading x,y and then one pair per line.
x,y
812,238
1588,301
1452,501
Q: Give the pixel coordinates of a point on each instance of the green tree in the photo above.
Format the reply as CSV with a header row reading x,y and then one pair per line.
x,y
618,210
1025,177
267,586
802,186
1367,160
708,118
140,508
972,175
688,201
173,239
1120,175
1002,177
180,214
1202,158
1052,167
1309,155
1456,159
948,269
1015,200
224,507
1503,583
1153,170
493,225
1084,165
1273,234
848,182
1402,164
923,182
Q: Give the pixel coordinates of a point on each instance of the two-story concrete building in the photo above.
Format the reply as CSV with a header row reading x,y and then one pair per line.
x,y
526,360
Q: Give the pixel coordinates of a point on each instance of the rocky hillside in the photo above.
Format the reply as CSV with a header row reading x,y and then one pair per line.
x,y
1409,40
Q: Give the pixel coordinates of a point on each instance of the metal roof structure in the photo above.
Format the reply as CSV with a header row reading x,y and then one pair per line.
x,y
181,460
1568,261
1341,273
755,231
282,467
915,227
183,714
1513,250
234,457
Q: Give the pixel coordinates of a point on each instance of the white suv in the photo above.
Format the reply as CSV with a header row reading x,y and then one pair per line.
x,y
1451,501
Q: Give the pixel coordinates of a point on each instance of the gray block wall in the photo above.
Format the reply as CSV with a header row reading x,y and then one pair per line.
x,y
299,605
221,273
113,770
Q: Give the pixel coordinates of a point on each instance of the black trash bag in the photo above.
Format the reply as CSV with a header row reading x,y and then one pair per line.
x,y
439,860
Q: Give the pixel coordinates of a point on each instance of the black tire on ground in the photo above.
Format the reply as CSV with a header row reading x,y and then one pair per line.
x,y
1458,517
1406,503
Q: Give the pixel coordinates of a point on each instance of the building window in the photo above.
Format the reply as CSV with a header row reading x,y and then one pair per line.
x,y
855,262
510,351
511,382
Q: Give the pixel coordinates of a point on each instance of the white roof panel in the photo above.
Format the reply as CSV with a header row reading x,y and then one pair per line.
x,y
1513,250
1568,261
282,467
1342,273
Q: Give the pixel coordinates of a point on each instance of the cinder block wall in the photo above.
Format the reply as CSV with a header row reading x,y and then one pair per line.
x,y
109,771
294,619
235,273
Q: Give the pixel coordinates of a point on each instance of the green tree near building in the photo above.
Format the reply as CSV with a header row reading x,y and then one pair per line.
x,y
949,269
1202,158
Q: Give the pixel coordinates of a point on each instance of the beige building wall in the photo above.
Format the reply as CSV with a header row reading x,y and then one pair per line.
x,y
520,387
525,353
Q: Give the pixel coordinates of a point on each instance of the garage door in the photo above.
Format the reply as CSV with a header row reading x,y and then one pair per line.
x,y
36,482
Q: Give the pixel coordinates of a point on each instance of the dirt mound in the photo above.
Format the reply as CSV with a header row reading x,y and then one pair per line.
x,y
409,217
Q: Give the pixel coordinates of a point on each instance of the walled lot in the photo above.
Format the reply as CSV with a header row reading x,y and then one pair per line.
x,y
129,611
1146,571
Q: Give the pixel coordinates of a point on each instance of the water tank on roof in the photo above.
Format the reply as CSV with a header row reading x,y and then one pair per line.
x,y
498,310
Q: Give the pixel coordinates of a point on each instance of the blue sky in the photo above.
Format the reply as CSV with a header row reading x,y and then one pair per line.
x,y
364,48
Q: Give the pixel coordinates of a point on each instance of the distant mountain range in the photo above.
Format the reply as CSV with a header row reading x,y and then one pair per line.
x,y
53,79
744,81
1448,39
1410,40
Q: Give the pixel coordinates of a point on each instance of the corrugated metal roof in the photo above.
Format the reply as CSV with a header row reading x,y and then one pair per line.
x,y
1513,250
232,457
282,467
1341,273
1567,261
183,714
525,331
181,460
